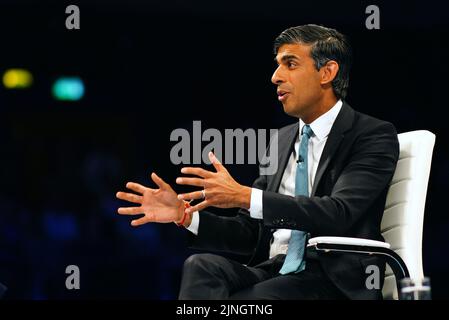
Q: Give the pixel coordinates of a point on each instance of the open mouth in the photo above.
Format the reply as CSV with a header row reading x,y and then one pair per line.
x,y
282,95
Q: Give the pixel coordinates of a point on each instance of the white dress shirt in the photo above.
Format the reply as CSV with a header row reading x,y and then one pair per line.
x,y
321,128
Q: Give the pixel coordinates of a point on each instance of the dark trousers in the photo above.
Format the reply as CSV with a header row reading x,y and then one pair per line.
x,y
210,276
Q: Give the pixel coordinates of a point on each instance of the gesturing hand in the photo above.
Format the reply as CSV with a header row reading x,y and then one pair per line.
x,y
220,189
158,205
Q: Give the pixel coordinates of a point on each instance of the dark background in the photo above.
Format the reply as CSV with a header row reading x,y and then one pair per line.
x,y
150,67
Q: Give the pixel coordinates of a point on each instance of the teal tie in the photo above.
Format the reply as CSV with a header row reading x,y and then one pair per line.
x,y
294,260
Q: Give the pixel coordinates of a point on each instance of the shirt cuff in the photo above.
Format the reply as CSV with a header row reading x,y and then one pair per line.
x,y
195,223
255,209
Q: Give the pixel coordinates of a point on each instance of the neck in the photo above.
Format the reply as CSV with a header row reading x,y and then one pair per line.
x,y
321,107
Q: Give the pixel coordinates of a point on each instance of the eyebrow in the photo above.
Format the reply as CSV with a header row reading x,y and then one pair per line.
x,y
286,58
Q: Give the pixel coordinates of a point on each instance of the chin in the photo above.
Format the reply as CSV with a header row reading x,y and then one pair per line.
x,y
290,110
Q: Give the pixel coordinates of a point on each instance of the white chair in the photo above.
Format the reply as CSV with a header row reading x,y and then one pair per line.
x,y
402,222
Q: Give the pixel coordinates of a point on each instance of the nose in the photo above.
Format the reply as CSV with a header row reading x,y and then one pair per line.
x,y
277,77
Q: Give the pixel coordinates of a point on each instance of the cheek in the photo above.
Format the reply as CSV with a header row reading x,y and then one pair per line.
x,y
304,81
311,84
304,87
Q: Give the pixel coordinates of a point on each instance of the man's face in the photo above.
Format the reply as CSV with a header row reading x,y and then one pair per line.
x,y
297,80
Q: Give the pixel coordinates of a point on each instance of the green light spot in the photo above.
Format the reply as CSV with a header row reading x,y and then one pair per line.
x,y
68,89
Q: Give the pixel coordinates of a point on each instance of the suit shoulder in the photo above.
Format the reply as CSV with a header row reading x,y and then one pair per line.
x,y
367,123
370,132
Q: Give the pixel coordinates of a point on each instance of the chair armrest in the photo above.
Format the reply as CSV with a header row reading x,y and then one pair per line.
x,y
348,241
361,246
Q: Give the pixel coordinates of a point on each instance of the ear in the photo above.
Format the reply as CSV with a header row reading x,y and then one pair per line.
x,y
329,72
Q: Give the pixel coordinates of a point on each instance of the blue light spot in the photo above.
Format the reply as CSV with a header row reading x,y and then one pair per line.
x,y
68,89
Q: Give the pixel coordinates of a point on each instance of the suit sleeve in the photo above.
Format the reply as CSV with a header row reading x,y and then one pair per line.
x,y
237,234
370,167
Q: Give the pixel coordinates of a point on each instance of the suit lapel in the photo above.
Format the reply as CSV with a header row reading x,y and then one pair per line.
x,y
342,123
287,144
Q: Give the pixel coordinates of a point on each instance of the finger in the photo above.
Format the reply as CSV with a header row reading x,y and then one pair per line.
x,y
197,172
191,195
140,221
200,206
157,180
197,182
215,162
130,210
136,187
131,197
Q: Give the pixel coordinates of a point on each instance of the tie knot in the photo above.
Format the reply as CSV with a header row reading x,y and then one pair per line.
x,y
307,130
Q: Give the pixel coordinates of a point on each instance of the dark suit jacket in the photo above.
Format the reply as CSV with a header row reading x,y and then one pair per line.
x,y
347,199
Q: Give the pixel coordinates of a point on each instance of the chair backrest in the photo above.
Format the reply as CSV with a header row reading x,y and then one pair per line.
x,y
402,222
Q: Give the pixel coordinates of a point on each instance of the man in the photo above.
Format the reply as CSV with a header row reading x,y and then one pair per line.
x,y
335,166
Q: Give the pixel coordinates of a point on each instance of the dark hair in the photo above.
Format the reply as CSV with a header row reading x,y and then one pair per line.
x,y
326,44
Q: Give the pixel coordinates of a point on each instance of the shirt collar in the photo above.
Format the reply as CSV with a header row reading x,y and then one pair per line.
x,y
322,125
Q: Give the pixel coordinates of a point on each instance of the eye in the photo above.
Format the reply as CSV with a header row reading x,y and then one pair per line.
x,y
291,64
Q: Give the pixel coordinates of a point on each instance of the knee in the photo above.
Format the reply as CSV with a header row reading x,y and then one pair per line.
x,y
201,261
